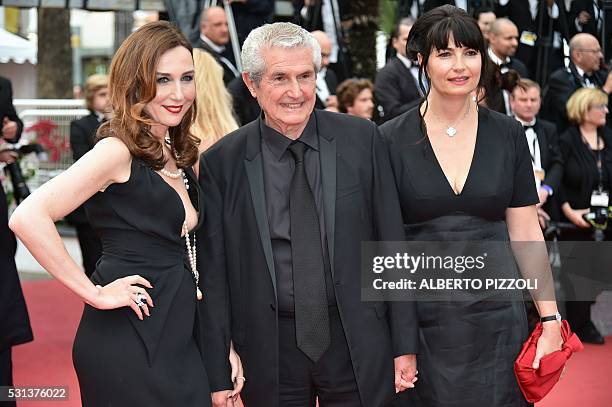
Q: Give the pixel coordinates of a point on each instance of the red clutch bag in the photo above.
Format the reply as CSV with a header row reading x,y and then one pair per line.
x,y
535,384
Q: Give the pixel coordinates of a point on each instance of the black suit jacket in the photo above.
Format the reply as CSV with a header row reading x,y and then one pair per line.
x,y
552,162
250,15
591,26
396,89
82,139
360,204
561,85
519,12
228,74
245,105
332,83
13,312
313,20
472,5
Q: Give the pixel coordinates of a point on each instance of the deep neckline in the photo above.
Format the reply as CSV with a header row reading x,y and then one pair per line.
x,y
472,160
176,194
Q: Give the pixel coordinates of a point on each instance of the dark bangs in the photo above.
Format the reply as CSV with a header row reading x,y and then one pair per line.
x,y
465,33
434,29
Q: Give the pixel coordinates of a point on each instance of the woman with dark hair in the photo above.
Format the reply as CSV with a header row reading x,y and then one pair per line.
x,y
464,174
139,340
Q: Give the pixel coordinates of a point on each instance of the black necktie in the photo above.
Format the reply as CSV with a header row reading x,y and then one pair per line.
x,y
311,313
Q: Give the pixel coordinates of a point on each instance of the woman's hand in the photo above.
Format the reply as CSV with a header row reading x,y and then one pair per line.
x,y
124,292
237,372
549,342
575,216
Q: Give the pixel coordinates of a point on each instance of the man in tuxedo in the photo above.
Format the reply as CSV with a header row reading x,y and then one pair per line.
x,y
587,16
583,71
13,312
526,14
503,41
214,39
327,81
397,84
542,139
289,199
82,139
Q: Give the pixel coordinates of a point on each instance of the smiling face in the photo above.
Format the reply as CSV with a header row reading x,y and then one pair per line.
x,y
363,105
175,90
505,41
454,71
286,92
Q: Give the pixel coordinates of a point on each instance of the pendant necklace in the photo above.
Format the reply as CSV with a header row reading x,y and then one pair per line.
x,y
451,129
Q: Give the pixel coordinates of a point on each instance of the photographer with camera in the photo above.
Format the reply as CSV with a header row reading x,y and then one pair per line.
x,y
587,153
13,312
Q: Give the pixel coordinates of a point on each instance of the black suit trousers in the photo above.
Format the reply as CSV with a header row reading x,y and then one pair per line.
x,y
331,378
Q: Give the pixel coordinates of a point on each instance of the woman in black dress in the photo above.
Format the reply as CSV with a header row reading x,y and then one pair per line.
x,y
139,341
464,173
587,154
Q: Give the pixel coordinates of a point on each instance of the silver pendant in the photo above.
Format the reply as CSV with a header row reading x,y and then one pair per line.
x,y
451,131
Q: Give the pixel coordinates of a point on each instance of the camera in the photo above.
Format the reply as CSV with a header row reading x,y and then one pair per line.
x,y
20,188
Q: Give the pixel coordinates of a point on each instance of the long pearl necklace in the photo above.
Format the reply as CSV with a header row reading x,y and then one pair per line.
x,y
192,253
193,258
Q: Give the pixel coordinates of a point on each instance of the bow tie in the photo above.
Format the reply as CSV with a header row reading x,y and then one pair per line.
x,y
589,78
527,127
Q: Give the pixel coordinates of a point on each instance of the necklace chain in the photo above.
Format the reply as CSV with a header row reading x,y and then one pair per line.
x,y
451,129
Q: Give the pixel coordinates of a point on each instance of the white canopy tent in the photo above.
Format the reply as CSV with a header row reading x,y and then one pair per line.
x,y
16,49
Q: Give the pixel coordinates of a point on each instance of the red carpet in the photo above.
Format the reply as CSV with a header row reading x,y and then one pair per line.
x,y
55,313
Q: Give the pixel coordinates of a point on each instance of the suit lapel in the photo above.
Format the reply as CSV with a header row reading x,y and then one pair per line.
x,y
254,170
539,129
327,146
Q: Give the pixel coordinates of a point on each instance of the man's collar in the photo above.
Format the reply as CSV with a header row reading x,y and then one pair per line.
x,y
524,123
278,143
217,48
497,60
405,61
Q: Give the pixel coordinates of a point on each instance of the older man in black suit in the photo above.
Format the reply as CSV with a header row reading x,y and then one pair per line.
x,y
290,197
215,39
396,86
13,313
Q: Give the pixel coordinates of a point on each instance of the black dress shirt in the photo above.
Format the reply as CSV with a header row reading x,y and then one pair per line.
x,y
278,168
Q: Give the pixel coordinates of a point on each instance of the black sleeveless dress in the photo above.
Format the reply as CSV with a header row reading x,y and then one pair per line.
x,y
120,360
466,349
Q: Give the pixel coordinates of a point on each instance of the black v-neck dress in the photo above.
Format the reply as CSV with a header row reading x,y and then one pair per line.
x,y
467,349
120,360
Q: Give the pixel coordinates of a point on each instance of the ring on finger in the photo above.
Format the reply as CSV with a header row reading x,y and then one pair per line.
x,y
140,297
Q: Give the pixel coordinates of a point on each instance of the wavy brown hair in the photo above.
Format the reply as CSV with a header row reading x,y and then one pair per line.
x,y
132,85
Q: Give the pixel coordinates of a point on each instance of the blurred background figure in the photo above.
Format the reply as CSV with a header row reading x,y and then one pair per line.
x,y
14,318
356,97
396,85
587,16
327,81
583,71
543,142
485,17
214,117
250,14
82,139
215,38
586,147
503,42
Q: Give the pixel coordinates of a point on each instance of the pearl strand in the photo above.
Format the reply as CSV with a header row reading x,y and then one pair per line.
x,y
192,255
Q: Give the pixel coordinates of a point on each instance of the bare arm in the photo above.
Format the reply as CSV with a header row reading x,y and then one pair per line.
x,y
530,252
33,222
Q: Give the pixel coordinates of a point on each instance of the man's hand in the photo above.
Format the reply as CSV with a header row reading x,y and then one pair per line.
x,y
222,399
8,156
607,87
543,195
584,17
9,129
405,372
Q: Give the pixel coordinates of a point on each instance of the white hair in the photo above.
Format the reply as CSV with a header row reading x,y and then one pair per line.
x,y
277,35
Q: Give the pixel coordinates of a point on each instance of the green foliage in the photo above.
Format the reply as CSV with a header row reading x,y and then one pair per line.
x,y
388,10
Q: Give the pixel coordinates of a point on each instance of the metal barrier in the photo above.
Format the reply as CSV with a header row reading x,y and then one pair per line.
x,y
47,122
